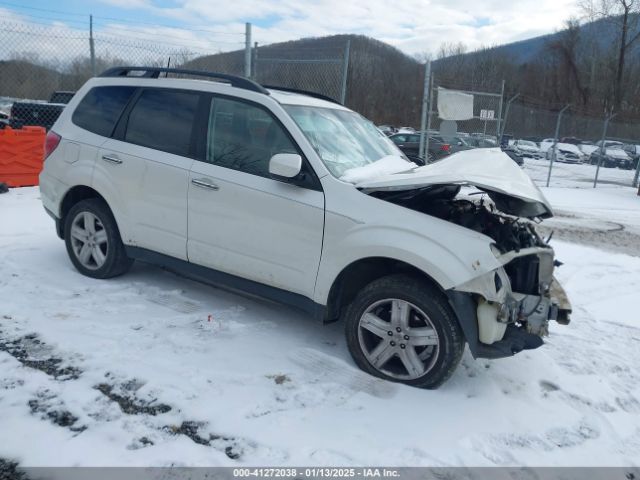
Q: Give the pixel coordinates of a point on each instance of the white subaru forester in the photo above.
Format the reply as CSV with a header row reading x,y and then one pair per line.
x,y
297,199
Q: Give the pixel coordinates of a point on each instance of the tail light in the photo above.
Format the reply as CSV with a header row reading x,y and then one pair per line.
x,y
51,142
445,147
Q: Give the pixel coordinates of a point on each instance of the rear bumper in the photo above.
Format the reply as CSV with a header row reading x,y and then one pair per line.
x,y
58,222
52,191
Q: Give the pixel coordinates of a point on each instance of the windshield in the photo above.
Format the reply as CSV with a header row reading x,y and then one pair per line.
x,y
343,139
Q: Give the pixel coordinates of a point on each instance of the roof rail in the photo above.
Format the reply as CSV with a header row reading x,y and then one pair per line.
x,y
303,92
154,72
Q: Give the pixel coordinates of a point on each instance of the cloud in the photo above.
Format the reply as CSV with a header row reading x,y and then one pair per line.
x,y
206,26
411,25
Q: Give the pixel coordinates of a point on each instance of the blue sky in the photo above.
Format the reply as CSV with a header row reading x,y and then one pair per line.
x,y
414,26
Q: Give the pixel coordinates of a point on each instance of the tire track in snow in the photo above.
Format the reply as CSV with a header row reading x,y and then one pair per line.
x,y
48,405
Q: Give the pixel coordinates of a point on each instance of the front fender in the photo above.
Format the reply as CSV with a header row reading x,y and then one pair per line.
x,y
450,262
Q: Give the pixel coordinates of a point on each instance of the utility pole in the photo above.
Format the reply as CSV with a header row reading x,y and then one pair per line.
x,y
555,143
345,72
92,49
247,50
254,62
425,107
602,149
499,122
506,114
426,143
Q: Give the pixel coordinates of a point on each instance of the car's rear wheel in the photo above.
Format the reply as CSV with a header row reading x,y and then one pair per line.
x,y
93,240
402,329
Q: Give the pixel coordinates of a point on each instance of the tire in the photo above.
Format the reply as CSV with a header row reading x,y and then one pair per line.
x,y
100,254
431,332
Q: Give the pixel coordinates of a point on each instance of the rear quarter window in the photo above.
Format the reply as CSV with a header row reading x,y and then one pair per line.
x,y
100,109
163,120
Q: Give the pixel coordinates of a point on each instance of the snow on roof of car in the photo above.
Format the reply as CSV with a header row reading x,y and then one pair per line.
x,y
291,98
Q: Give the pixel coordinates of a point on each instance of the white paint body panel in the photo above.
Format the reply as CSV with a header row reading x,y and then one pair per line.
x,y
256,228
272,232
149,192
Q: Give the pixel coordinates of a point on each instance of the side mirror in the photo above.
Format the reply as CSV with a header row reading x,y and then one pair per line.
x,y
285,166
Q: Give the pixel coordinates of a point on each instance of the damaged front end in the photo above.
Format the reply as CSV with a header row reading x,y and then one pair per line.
x,y
508,309
513,304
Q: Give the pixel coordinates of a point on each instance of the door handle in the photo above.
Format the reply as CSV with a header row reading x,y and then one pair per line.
x,y
204,184
112,159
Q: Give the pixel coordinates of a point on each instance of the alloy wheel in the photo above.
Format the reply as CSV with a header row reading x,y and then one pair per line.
x,y
89,240
398,339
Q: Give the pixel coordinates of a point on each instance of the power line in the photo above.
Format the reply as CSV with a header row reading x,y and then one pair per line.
x,y
22,27
16,5
123,20
107,27
51,19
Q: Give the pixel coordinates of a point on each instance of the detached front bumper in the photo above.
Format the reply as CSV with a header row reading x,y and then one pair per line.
x,y
501,323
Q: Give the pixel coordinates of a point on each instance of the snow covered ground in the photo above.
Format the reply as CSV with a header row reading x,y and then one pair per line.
x,y
154,369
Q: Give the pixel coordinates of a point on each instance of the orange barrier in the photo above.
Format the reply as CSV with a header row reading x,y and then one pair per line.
x,y
21,154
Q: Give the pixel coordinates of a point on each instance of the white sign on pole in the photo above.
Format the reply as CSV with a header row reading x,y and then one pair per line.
x,y
487,114
454,105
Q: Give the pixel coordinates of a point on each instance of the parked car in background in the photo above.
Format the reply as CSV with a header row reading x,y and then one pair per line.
x,y
613,157
526,148
481,142
571,140
587,148
505,140
609,144
39,114
456,143
406,130
61,96
565,153
4,119
410,145
387,129
633,150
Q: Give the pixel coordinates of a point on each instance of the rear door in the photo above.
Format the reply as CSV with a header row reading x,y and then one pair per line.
x,y
243,222
147,165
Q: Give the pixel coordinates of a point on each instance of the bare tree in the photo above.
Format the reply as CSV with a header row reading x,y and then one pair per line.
x,y
565,49
624,16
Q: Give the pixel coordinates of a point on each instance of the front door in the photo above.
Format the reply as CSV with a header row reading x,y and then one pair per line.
x,y
243,222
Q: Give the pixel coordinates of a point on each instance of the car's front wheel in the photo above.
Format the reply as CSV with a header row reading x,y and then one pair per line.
x,y
93,240
402,329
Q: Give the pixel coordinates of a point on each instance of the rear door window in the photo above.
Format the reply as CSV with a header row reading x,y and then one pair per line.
x,y
100,109
163,119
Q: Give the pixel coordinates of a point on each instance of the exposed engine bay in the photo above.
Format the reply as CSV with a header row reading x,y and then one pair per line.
x,y
509,232
523,293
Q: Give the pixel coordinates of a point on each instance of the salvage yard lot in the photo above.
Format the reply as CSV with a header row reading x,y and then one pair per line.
x,y
154,369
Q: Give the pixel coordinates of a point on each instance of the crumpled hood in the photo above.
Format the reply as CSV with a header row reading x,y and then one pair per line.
x,y
488,169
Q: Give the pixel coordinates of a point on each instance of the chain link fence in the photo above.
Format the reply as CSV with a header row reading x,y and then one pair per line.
x,y
575,147
41,66
555,145
319,70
